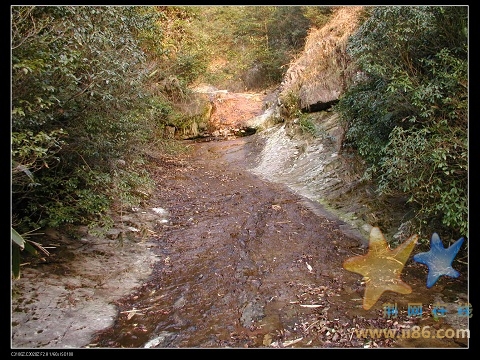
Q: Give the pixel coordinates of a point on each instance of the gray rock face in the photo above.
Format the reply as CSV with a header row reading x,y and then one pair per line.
x,y
61,305
311,166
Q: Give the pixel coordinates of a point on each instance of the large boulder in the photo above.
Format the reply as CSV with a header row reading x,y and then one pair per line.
x,y
230,112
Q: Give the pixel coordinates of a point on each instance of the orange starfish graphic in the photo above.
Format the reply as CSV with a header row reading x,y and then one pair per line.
x,y
381,267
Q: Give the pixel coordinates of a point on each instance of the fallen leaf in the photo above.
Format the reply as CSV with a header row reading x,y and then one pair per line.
x,y
267,340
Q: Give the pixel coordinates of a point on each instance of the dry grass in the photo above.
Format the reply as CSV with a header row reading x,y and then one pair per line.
x,y
322,68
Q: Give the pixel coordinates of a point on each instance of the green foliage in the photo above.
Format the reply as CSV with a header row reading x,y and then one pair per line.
x,y
80,102
307,125
255,43
290,104
368,119
274,34
431,165
406,112
190,66
318,15
20,243
17,245
32,152
174,44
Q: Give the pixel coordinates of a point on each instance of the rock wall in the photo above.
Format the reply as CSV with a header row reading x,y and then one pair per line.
x,y
313,167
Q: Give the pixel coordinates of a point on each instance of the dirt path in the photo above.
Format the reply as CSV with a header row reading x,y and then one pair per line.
x,y
247,263
226,259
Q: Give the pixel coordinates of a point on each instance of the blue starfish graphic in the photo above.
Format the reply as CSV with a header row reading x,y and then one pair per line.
x,y
439,260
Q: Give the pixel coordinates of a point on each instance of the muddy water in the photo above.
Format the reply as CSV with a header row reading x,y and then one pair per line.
x,y
244,262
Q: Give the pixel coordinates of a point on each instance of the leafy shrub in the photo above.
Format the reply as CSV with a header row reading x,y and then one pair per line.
x,y
78,104
307,125
406,112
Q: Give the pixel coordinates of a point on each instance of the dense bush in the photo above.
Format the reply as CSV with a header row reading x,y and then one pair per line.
x,y
406,112
78,82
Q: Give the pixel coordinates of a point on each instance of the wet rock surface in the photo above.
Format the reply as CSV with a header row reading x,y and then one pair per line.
x,y
62,299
